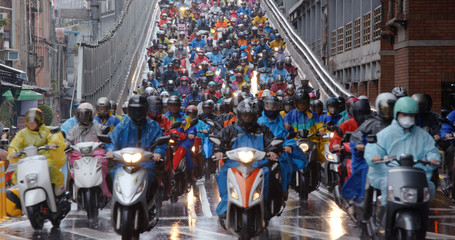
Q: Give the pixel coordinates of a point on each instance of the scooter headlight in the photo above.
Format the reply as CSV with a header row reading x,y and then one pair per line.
x,y
171,141
257,194
246,157
193,149
331,135
234,194
409,195
32,180
304,146
329,157
132,158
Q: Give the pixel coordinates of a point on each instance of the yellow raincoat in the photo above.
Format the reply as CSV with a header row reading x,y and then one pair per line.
x,y
55,158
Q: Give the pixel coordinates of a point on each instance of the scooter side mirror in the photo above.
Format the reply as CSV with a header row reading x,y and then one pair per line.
x,y
176,125
277,141
104,138
210,122
13,128
162,140
303,133
329,123
444,120
215,140
338,131
291,135
105,130
372,139
6,130
55,130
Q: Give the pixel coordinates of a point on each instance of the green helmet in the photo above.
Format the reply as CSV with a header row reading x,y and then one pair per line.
x,y
405,105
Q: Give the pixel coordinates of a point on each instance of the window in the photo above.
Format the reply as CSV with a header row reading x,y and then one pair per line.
x,y
333,43
340,40
348,37
357,33
367,28
377,18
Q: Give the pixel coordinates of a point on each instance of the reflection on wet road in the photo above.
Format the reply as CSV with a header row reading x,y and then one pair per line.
x,y
194,217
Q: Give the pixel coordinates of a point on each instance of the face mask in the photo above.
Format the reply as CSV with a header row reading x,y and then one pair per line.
x,y
406,122
332,110
271,114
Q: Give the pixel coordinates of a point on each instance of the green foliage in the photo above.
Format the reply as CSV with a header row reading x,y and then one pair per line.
x,y
8,110
4,22
48,115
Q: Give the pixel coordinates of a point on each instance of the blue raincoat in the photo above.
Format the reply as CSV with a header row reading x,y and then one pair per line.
x,y
328,117
396,142
111,122
289,162
447,128
68,124
283,72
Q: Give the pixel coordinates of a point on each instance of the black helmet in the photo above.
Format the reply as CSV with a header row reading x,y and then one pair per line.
x,y
208,104
113,105
422,100
103,106
137,109
155,105
219,108
247,115
280,64
206,97
194,89
227,92
272,103
259,106
361,111
288,103
235,101
85,114
301,95
174,100
341,103
332,105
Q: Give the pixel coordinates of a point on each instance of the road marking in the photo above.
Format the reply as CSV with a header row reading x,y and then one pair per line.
x,y
190,231
442,216
9,236
91,233
306,232
433,235
204,201
190,206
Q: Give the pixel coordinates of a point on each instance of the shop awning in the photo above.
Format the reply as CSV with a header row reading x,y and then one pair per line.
x,y
25,95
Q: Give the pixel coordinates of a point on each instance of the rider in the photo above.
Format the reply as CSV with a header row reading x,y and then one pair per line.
x,y
71,122
194,98
293,158
280,70
114,110
184,88
155,112
292,70
88,131
137,131
38,134
277,43
401,137
279,84
318,107
332,114
260,18
215,95
288,105
426,119
246,132
104,114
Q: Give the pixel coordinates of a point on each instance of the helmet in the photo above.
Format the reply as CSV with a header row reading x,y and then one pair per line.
x,y
113,105
228,43
183,72
247,115
280,64
209,73
219,108
399,92
244,60
287,60
35,115
191,109
288,103
194,89
125,108
235,101
279,94
341,103
164,94
206,97
241,34
212,84
174,100
260,25
137,109
290,87
235,55
155,105
227,92
405,105
361,111
384,104
184,79
177,63
332,105
266,93
103,106
155,41
164,15
258,106
239,75
150,75
271,103
149,91
277,36
76,104
208,104
279,79
422,101
429,101
301,95
317,104
85,113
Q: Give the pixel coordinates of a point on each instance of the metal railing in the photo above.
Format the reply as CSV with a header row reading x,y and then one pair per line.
x,y
104,65
303,55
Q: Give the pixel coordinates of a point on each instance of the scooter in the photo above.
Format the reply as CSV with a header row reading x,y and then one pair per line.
x,y
87,184
36,191
247,212
408,200
132,213
197,156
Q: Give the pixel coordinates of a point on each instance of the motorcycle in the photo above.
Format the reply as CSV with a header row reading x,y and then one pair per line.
x,y
36,191
408,201
132,213
87,182
197,156
247,212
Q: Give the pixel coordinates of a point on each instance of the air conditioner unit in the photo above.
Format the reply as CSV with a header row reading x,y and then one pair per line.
x,y
12,55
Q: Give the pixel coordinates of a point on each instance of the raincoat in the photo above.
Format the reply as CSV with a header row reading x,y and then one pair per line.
x,y
328,117
68,124
111,122
283,72
289,162
55,158
396,142
190,99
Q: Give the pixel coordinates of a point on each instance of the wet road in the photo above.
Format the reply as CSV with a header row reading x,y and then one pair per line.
x,y
194,217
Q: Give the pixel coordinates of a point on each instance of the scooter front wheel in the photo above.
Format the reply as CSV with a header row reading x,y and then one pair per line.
x,y
245,234
91,208
127,228
407,234
35,216
337,195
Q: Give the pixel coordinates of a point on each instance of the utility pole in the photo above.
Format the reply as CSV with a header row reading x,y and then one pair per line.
x,y
95,17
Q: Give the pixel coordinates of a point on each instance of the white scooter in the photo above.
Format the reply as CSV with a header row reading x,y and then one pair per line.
x,y
87,187
36,191
132,213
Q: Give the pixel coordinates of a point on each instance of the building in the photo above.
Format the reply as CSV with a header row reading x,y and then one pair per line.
x,y
371,46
